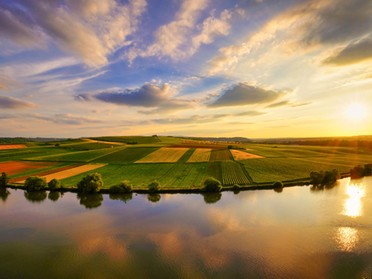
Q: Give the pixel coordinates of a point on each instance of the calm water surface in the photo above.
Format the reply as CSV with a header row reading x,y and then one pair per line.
x,y
298,233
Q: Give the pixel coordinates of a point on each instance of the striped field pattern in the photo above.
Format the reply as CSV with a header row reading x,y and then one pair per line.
x,y
164,155
200,155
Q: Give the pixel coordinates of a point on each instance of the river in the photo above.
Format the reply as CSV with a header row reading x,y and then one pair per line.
x,y
297,233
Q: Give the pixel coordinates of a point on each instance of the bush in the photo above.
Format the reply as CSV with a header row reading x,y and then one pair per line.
x,y
153,186
91,183
327,178
278,184
122,188
54,184
4,179
212,185
35,183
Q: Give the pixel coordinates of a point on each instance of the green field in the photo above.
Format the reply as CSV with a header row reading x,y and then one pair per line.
x,y
130,154
280,163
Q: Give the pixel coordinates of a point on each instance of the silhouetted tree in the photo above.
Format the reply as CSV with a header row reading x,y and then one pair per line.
x,y
122,188
153,186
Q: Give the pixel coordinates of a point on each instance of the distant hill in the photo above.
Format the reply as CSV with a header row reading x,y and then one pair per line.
x,y
220,139
24,140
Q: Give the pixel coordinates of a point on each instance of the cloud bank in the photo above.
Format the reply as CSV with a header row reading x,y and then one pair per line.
x,y
244,94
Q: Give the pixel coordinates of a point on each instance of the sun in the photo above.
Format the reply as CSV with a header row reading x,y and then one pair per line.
x,y
356,112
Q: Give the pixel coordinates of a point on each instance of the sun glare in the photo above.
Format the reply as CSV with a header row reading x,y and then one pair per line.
x,y
356,112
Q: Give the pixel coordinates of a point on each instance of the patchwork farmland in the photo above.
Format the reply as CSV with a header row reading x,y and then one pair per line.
x,y
174,163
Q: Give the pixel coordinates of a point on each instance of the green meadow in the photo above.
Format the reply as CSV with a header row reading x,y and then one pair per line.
x,y
279,162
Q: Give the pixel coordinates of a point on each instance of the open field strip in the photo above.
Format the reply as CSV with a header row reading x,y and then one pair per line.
x,y
164,155
180,175
127,155
76,156
200,155
242,155
13,167
11,146
232,173
70,172
104,142
220,155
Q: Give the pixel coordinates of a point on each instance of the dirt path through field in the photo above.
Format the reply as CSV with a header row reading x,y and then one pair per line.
x,y
241,155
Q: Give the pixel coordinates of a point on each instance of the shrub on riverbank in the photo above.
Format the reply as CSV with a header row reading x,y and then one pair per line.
x,y
35,183
360,171
91,183
153,186
4,179
326,178
122,188
212,185
54,184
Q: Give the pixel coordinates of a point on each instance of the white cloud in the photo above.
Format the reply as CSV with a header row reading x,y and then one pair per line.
x,y
90,30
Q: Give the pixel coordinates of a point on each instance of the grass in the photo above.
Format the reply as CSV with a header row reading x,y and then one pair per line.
x,y
233,173
26,153
281,169
128,155
140,175
86,146
220,155
164,155
77,156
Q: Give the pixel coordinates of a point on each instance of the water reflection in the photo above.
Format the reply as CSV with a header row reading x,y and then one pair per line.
x,y
90,201
154,197
212,197
35,196
347,238
353,204
122,197
4,193
54,196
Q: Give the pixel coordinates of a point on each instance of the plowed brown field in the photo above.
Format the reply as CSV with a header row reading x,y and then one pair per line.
x,y
11,146
14,167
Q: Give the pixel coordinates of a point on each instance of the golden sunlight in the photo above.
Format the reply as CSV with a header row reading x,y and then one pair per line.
x,y
347,238
356,112
353,205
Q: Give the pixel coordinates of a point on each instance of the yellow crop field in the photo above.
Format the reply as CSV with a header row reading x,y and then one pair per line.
x,y
200,155
72,171
241,155
164,155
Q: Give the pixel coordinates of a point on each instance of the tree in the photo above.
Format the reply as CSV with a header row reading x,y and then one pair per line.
x,y
154,197
4,179
35,196
35,183
54,196
54,184
212,185
91,183
122,188
153,186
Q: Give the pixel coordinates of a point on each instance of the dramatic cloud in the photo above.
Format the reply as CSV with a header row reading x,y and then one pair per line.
x,y
173,39
245,94
352,53
12,103
306,26
149,96
90,30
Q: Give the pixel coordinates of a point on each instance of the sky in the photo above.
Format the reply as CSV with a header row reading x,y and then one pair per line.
x,y
215,68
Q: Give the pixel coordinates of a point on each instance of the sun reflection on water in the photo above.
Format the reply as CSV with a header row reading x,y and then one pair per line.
x,y
347,238
353,206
